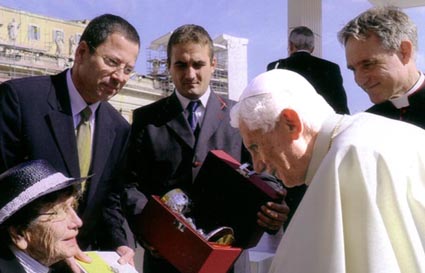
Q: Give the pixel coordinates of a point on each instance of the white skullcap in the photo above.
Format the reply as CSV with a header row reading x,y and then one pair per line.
x,y
277,80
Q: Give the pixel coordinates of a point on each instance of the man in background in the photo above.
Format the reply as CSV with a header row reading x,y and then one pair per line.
x,y
380,49
66,120
325,76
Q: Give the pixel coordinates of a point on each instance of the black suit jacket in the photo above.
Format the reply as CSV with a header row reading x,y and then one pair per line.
x,y
163,154
325,77
36,122
414,113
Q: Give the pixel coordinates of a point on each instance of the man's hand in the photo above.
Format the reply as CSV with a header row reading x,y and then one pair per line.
x,y
273,215
127,255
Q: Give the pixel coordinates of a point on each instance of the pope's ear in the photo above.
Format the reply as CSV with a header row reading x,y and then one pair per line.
x,y
293,122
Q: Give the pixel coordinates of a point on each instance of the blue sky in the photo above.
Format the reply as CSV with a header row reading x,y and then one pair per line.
x,y
263,22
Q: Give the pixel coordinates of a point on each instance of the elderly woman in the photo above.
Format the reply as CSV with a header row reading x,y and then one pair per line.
x,y
38,222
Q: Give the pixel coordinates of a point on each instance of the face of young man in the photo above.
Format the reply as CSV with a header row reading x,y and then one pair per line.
x,y
51,237
191,69
101,75
381,73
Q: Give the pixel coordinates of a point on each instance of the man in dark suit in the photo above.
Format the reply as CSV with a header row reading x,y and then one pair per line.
x,y
165,152
380,47
41,116
324,75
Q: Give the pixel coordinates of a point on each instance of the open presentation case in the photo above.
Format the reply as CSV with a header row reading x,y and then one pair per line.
x,y
224,194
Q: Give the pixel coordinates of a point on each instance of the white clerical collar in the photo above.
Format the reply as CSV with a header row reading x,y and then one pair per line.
x,y
28,263
403,100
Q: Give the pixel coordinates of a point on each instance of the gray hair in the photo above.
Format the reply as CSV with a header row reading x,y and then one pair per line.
x,y
302,38
390,24
269,93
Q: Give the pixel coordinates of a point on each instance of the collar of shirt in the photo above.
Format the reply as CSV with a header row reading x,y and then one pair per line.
x,y
200,111
403,100
303,50
28,263
78,103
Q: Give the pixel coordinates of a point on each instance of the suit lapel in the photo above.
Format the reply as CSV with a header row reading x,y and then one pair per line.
x,y
177,122
61,123
215,113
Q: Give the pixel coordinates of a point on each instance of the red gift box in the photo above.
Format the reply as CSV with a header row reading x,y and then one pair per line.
x,y
179,243
225,195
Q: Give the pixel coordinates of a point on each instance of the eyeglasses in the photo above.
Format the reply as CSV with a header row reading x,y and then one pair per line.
x,y
59,212
114,64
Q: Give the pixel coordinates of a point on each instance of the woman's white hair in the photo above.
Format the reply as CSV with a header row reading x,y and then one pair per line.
x,y
269,93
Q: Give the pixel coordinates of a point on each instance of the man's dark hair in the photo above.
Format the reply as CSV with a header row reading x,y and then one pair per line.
x,y
190,34
101,27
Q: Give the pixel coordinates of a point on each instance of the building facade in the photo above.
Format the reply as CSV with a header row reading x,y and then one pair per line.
x,y
32,45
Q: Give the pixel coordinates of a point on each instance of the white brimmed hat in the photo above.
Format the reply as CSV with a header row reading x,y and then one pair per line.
x,y
27,182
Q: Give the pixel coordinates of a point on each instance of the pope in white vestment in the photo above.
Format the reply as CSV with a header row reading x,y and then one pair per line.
x,y
364,209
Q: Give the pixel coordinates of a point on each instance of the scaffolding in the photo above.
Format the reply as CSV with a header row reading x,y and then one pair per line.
x,y
220,79
157,64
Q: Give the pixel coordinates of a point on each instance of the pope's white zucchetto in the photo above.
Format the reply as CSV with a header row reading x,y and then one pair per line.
x,y
276,80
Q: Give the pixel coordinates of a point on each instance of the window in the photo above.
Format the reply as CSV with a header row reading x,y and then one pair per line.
x,y
33,32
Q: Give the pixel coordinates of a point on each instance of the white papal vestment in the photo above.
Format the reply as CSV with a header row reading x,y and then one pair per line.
x,y
364,210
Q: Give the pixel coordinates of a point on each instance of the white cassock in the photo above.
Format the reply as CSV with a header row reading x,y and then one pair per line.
x,y
364,210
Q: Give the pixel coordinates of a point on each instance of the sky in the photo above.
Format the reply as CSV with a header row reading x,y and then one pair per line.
x,y
262,22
